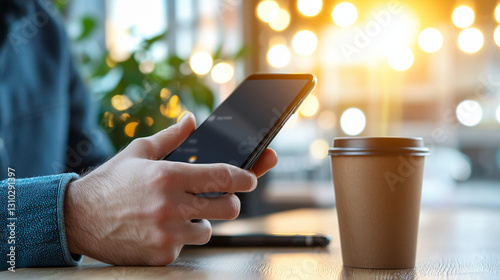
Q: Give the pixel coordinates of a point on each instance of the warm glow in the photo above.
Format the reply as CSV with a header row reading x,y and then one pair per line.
x,y
149,121
108,119
430,40
130,129
110,62
496,35
304,42
201,62
344,14
121,102
310,106
165,94
268,10
327,120
147,67
173,107
498,114
281,22
470,40
319,148
124,117
497,13
309,8
353,121
469,112
278,56
463,17
401,59
222,72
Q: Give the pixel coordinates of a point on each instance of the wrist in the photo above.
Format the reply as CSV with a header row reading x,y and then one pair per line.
x,y
72,216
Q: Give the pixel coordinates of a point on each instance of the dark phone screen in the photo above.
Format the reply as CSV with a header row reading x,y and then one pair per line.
x,y
235,128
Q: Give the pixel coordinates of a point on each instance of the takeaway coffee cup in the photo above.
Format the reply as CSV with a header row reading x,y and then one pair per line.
x,y
378,183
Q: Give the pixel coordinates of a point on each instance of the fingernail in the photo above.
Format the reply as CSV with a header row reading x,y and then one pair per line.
x,y
185,116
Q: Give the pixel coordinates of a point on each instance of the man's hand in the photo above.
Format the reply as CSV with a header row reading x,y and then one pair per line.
x,y
136,209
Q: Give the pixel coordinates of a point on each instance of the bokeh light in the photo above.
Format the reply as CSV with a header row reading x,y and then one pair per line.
x,y
463,17
222,72
309,8
469,112
327,120
281,22
344,14
430,40
147,67
121,102
278,56
353,121
130,128
149,121
309,106
497,13
319,148
201,62
165,94
496,35
304,42
124,116
268,10
173,108
470,40
401,59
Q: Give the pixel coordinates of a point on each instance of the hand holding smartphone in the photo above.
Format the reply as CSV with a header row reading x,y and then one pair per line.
x,y
243,126
240,129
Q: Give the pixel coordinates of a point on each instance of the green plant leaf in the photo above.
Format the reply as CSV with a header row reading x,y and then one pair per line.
x,y
218,52
148,42
244,51
202,95
175,61
89,25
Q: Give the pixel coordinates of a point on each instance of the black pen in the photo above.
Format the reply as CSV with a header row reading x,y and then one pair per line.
x,y
269,240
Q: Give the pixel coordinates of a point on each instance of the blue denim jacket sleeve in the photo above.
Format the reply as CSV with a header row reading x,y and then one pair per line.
x,y
36,229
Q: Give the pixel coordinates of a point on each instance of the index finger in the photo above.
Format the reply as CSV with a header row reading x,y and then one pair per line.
x,y
267,160
203,178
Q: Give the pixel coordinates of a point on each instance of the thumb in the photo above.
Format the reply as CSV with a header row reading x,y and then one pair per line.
x,y
167,140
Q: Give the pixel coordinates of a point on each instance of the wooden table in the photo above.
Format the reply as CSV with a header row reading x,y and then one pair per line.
x,y
453,244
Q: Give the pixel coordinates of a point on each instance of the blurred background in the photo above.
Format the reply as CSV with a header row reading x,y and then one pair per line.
x,y
385,68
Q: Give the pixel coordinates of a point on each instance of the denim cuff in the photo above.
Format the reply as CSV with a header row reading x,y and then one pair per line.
x,y
70,258
36,222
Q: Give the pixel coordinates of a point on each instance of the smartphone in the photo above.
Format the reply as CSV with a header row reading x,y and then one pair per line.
x,y
241,127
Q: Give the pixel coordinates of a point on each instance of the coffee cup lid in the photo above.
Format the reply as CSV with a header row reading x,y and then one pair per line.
x,y
364,146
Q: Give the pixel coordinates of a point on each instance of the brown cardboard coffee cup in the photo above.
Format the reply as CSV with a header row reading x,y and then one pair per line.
x,y
378,183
